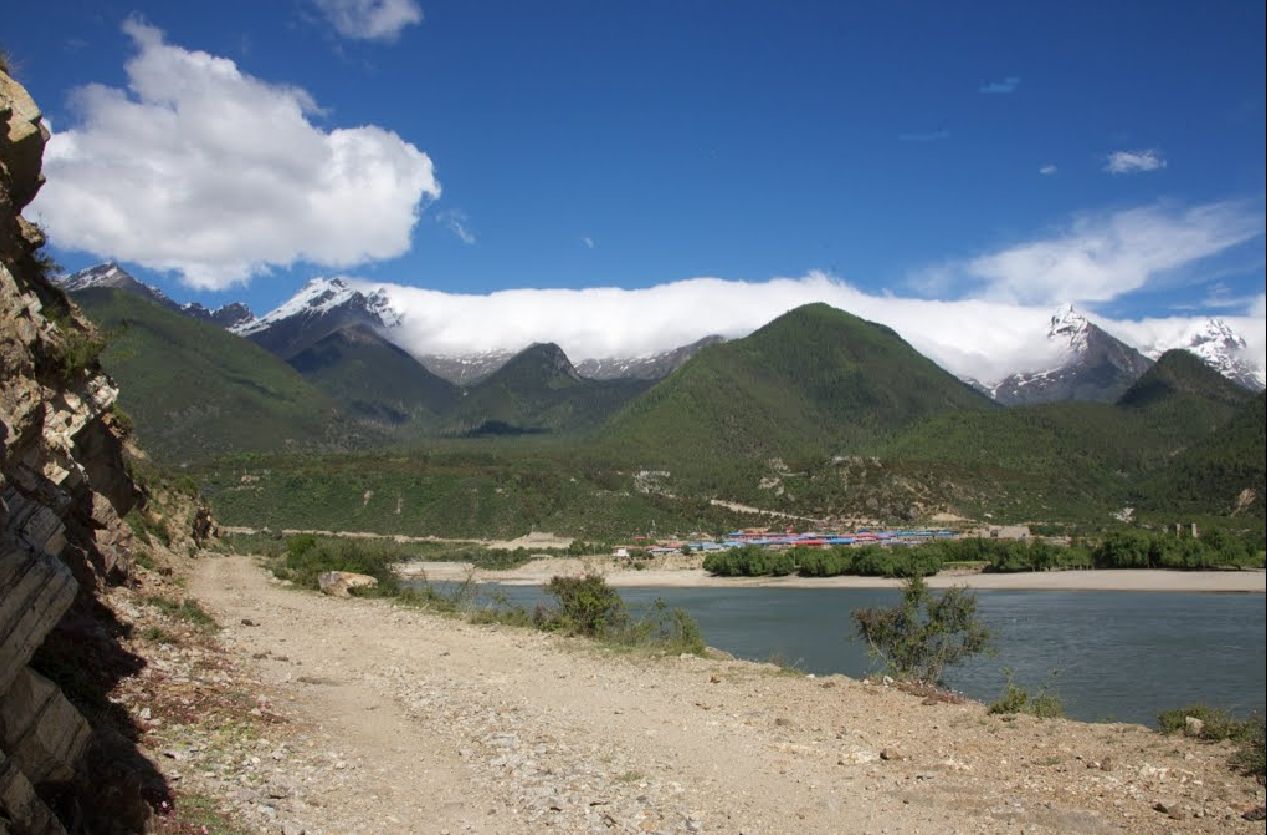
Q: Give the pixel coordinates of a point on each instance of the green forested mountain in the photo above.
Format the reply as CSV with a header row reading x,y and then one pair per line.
x,y
1182,399
1181,436
374,379
1224,471
819,414
814,381
538,390
194,390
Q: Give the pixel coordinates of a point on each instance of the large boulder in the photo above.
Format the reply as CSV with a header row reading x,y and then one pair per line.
x,y
341,583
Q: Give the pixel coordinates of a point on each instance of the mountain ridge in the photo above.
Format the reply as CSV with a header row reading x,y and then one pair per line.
x,y
325,304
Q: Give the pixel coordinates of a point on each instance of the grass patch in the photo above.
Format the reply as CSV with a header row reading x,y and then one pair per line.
x,y
146,529
787,666
1251,756
196,814
158,635
144,558
1217,725
187,610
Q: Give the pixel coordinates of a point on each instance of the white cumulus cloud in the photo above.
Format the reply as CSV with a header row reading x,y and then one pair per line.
x,y
370,20
202,169
1134,162
1101,256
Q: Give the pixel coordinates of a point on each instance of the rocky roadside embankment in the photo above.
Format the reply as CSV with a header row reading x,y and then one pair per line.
x,y
405,721
72,756
63,489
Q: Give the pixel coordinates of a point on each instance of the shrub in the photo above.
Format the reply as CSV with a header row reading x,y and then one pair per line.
x,y
671,630
146,529
925,633
585,606
1016,699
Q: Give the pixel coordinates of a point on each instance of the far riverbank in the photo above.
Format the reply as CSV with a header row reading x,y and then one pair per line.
x,y
685,576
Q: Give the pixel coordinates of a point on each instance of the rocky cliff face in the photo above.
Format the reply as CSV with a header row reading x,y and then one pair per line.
x,y
63,489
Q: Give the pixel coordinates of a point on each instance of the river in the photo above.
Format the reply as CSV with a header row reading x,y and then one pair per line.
x,y
1110,656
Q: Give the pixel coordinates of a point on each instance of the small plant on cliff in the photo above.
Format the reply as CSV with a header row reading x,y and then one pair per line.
x,y
925,633
79,353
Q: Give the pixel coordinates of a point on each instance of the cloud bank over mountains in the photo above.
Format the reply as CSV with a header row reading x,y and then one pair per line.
x,y
979,338
202,169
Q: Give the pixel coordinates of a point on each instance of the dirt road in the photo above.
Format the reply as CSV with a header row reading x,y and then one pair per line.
x,y
444,726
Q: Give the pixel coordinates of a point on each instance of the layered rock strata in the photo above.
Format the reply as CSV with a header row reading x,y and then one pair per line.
x,y
63,487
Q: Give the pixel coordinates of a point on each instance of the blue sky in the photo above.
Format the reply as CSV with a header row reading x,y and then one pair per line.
x,y
898,147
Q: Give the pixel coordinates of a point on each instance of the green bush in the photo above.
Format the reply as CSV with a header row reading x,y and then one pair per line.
x,y
1016,699
925,633
585,606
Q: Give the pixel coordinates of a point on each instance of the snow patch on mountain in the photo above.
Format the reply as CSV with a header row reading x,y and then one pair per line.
x,y
1070,326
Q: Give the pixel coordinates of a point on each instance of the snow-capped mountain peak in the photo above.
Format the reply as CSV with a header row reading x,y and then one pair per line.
x,y
1069,324
112,276
1223,349
323,295
1091,365
321,307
